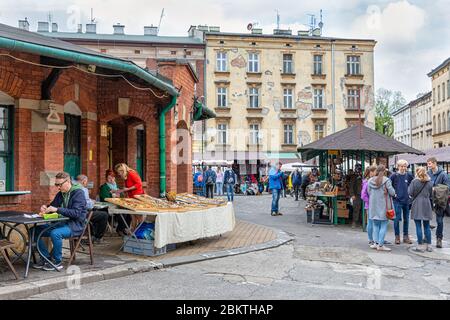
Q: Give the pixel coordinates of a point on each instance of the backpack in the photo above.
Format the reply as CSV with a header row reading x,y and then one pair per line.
x,y
440,195
200,178
230,179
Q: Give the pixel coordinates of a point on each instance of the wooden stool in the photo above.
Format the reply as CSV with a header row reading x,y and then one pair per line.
x,y
4,245
75,242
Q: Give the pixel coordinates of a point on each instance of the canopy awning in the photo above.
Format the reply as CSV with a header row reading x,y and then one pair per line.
x,y
356,138
441,155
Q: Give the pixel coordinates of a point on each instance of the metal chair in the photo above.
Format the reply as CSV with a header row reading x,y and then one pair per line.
x,y
4,245
75,242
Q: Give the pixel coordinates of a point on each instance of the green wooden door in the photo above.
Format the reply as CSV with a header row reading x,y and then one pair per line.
x,y
72,145
140,152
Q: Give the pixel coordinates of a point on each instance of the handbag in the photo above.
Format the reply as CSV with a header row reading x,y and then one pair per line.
x,y
390,213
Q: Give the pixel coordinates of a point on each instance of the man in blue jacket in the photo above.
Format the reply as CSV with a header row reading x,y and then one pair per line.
x,y
69,202
296,182
276,185
438,176
401,181
210,180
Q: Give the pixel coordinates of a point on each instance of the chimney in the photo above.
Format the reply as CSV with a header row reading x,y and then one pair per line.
x,y
119,29
257,31
23,24
91,28
42,26
54,27
150,31
80,28
282,32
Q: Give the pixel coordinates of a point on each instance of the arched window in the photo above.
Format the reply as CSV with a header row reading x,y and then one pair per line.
x,y
444,126
439,124
434,124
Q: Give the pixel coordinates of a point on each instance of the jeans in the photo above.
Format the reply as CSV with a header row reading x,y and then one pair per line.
x,y
296,191
399,209
56,235
210,191
276,193
219,188
370,229
427,229
440,226
230,192
379,231
99,223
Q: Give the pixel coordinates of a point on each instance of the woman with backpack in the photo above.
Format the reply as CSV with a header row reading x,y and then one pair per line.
x,y
421,191
368,173
380,201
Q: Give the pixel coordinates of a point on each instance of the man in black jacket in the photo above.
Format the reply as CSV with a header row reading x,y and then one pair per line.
x,y
69,202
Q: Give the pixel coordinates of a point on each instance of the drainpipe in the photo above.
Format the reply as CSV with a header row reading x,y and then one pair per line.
x,y
333,86
162,147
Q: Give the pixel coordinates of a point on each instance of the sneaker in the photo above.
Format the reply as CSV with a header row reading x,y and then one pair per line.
x,y
40,265
397,239
432,227
49,267
383,248
419,248
439,243
374,246
273,214
279,214
371,243
429,248
407,240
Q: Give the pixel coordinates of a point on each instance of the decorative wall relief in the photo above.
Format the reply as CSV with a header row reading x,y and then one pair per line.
x,y
270,84
304,138
305,94
234,50
239,62
276,104
265,111
303,110
268,73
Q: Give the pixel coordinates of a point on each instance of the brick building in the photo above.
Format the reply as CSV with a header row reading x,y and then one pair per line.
x,y
63,106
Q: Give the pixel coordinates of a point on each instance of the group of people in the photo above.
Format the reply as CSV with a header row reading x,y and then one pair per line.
x,y
419,198
73,201
206,179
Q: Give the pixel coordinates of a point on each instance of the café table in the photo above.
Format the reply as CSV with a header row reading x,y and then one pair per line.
x,y
13,219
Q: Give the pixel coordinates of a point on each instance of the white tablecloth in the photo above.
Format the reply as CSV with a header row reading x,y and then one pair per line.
x,y
177,227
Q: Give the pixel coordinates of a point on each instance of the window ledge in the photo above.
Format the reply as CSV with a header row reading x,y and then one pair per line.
x,y
289,110
354,76
324,110
254,74
222,109
318,76
354,110
256,110
222,73
288,75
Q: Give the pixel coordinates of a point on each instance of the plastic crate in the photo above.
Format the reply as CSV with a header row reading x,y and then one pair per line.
x,y
142,247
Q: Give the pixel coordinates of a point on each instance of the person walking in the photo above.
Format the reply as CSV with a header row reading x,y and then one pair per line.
x,y
296,182
210,181
438,177
380,190
420,190
306,180
368,173
219,182
401,180
355,187
198,182
276,186
284,184
230,182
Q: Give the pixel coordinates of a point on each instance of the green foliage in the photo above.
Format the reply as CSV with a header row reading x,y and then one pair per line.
x,y
386,102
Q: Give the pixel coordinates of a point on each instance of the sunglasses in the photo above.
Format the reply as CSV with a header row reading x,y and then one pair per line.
x,y
60,184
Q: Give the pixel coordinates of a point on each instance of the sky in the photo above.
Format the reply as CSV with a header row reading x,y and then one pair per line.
x,y
413,35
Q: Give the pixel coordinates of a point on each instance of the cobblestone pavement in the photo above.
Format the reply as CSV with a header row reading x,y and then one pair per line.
x,y
323,262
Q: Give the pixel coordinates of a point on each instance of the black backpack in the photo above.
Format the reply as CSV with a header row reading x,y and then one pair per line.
x,y
210,180
230,179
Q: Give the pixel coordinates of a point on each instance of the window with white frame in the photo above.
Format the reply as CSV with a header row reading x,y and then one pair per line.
x,y
318,64
222,133
254,97
254,134
288,98
439,94
353,65
222,97
287,63
318,98
443,91
354,99
319,131
253,62
289,134
221,61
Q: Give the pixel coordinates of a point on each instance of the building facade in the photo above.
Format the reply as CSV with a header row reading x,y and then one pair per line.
x,y
60,112
421,122
274,92
402,124
440,81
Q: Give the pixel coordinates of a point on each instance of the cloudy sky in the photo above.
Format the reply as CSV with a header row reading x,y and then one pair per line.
x,y
413,35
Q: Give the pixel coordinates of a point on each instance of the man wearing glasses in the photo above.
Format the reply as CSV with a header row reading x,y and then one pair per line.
x,y
69,202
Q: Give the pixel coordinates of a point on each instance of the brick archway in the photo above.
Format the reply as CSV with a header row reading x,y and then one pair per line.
x,y
12,85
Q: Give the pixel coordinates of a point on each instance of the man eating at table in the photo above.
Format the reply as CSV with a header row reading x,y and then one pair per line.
x,y
68,202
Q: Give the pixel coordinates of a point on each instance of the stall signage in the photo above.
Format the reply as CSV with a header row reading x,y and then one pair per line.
x,y
334,152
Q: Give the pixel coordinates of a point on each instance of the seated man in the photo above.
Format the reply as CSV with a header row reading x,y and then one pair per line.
x,y
99,219
69,202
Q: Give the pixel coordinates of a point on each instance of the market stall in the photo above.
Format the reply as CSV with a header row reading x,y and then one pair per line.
x,y
343,157
181,218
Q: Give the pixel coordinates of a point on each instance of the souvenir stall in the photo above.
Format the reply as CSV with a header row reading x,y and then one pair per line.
x,y
342,158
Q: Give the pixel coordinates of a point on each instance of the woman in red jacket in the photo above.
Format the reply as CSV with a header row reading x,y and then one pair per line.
x,y
133,186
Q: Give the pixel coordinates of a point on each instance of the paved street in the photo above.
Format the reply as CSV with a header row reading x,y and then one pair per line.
x,y
323,262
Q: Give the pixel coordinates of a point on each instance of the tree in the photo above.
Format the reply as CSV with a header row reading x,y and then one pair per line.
x,y
386,102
